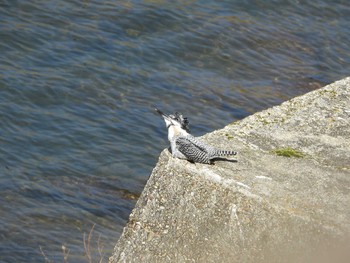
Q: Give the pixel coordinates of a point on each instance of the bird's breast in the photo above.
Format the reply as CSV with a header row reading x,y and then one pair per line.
x,y
174,132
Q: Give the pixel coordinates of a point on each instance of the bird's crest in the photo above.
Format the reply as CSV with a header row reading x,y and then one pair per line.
x,y
177,116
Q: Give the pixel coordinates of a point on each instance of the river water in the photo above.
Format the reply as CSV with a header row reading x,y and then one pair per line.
x,y
79,136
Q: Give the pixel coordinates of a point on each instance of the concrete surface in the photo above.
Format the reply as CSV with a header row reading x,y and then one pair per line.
x,y
260,207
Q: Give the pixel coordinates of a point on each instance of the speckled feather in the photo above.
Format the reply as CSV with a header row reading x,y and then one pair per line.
x,y
196,151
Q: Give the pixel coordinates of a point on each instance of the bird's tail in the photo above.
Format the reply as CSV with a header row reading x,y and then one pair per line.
x,y
219,153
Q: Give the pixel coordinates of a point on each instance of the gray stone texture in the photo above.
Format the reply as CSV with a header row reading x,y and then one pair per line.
x,y
258,207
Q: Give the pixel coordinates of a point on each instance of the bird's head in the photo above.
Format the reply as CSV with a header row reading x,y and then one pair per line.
x,y
176,119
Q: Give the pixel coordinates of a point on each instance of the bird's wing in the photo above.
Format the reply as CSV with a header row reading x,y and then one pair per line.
x,y
191,148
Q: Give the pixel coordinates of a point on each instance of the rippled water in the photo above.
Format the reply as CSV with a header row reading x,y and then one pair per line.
x,y
78,79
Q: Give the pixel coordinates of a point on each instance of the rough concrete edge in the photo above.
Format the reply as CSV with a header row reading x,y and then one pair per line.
x,y
227,182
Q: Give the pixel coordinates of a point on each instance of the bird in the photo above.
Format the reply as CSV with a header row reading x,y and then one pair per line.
x,y
185,146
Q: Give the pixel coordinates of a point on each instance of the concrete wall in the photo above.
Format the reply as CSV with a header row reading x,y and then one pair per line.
x,y
260,207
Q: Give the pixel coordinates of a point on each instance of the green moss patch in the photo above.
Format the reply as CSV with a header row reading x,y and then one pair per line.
x,y
228,136
288,152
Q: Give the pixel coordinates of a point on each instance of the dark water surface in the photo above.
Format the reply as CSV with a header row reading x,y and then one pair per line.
x,y
78,79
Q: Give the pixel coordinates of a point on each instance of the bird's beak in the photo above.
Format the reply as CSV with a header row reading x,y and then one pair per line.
x,y
162,114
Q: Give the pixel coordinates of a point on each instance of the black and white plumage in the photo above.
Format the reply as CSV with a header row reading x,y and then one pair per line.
x,y
184,145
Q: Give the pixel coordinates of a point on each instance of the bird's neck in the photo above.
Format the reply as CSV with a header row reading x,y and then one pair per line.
x,y
174,131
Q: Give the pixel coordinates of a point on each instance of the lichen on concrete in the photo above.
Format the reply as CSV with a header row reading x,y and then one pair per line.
x,y
288,152
260,207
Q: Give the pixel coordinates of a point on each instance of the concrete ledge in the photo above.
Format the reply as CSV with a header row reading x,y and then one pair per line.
x,y
262,208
